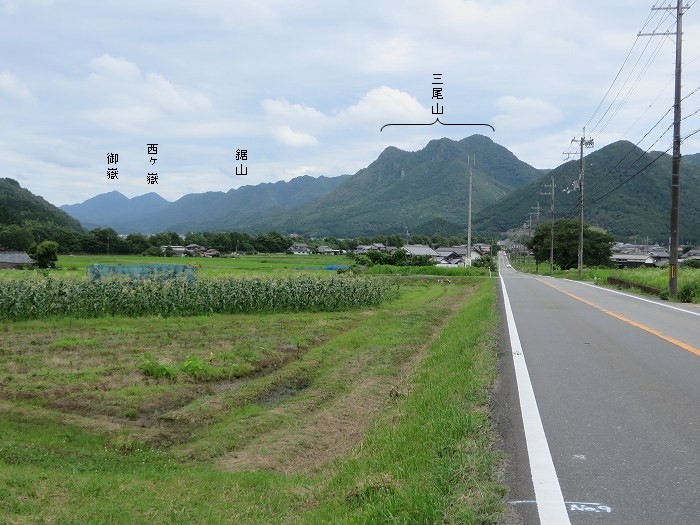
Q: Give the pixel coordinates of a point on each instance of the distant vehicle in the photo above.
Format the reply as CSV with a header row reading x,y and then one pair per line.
x,y
508,266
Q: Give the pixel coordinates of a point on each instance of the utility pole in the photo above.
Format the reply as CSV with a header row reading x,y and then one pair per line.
x,y
537,214
551,239
588,143
676,163
468,261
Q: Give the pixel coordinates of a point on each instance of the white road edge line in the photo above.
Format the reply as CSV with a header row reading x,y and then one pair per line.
x,y
634,297
550,500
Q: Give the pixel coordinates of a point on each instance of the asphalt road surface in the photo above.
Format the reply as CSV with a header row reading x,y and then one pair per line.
x,y
611,426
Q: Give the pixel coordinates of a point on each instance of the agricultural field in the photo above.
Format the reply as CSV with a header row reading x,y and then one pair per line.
x,y
250,265
367,414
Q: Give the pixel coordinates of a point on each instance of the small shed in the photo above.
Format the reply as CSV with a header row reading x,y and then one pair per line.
x,y
14,259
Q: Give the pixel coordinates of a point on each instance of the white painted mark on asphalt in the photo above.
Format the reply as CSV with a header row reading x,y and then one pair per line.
x,y
574,506
549,498
663,305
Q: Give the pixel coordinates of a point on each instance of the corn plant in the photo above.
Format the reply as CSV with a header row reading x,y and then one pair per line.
x,y
48,296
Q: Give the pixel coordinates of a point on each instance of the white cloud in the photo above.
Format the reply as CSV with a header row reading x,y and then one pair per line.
x,y
128,101
289,137
390,55
121,81
12,6
277,110
173,98
382,104
525,113
282,78
14,87
112,69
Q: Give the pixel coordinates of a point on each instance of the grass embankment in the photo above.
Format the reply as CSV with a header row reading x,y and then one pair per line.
x,y
654,278
346,417
387,269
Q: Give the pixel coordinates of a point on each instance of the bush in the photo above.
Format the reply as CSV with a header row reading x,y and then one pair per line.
x,y
46,254
152,368
485,261
692,263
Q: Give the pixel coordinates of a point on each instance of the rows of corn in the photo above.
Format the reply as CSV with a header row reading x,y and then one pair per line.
x,y
42,297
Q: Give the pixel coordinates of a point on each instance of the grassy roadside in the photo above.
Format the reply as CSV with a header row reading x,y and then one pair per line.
x,y
688,278
429,459
382,417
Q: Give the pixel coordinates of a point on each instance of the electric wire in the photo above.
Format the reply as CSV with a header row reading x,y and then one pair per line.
x,y
612,102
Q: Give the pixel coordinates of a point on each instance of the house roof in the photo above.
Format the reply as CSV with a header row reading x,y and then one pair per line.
x,y
15,258
459,250
420,249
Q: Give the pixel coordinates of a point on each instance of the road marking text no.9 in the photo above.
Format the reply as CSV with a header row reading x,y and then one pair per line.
x,y
584,507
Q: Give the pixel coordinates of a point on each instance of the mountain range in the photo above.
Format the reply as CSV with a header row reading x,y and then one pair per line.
x,y
210,211
626,191
398,191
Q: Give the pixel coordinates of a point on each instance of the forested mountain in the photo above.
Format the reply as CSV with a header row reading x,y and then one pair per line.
x,y
405,190
626,191
210,211
27,219
18,205
114,209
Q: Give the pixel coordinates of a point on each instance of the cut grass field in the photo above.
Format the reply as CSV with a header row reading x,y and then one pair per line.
x,y
367,416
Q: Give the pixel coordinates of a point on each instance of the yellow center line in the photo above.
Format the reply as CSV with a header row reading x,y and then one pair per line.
x,y
671,340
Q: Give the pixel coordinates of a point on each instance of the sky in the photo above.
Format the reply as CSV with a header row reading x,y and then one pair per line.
x,y
303,87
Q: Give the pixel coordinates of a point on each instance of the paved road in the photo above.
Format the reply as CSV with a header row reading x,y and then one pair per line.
x,y
617,384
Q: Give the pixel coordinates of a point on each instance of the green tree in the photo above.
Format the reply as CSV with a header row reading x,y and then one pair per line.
x,y
597,245
486,261
165,239
46,254
137,243
16,237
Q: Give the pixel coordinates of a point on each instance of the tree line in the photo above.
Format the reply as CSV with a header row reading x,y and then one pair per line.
x,y
30,234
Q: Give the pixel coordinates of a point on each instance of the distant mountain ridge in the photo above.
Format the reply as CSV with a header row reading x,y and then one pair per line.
x,y
626,191
403,190
210,211
114,209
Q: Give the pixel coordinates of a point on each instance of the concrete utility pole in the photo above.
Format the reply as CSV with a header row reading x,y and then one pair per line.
x,y
588,143
551,240
537,214
676,163
468,261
